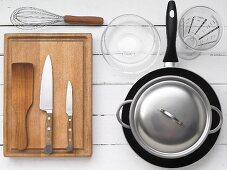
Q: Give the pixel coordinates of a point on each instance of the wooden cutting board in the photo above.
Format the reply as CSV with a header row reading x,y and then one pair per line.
x,y
71,59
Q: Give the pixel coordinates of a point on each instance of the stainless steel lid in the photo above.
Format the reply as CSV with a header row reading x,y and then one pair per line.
x,y
170,116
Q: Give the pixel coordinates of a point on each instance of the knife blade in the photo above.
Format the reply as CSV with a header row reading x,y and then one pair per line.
x,y
69,111
46,101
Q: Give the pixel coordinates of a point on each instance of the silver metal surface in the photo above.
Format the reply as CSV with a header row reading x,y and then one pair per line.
x,y
28,18
156,132
218,127
48,149
169,64
171,116
119,116
46,91
69,99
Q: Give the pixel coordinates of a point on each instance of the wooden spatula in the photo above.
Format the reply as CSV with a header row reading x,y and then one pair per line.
x,y
22,98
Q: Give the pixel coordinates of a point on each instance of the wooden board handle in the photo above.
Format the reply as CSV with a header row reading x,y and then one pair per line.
x,y
70,134
91,20
49,147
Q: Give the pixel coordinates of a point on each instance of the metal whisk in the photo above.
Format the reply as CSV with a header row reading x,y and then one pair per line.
x,y
31,18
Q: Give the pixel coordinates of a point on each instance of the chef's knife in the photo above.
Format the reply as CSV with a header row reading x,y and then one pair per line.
x,y
46,101
69,111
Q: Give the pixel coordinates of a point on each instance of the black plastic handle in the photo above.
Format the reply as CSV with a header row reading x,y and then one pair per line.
x,y
171,33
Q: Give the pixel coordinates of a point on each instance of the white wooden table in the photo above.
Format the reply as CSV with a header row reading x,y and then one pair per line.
x,y
110,149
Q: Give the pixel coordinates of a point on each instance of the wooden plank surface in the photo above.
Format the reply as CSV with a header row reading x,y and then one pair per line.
x,y
153,11
104,74
106,98
109,88
215,59
97,31
119,157
107,130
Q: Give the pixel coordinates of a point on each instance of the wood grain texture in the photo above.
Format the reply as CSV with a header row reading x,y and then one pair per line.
x,y
70,134
48,148
150,9
107,131
97,31
90,20
103,74
22,98
71,59
112,157
110,88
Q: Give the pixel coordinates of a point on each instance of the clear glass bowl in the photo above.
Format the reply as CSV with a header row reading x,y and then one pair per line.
x,y
130,44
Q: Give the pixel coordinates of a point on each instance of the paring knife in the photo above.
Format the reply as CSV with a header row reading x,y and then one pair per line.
x,y
46,101
69,111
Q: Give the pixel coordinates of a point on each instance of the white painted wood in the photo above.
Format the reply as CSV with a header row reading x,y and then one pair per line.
x,y
1,99
107,131
111,157
1,69
1,130
111,150
222,139
151,10
97,31
103,73
207,67
107,98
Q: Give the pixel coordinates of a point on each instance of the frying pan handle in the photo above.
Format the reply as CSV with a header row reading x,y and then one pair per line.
x,y
119,115
220,122
171,33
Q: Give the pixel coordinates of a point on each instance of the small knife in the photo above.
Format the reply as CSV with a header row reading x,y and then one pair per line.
x,y
69,112
46,101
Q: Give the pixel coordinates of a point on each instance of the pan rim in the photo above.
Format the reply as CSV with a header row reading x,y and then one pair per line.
x,y
202,137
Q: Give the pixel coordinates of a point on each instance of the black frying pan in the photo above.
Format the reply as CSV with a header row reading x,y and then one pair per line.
x,y
169,59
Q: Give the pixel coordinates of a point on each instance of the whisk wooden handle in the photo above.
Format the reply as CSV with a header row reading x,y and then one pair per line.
x,y
91,20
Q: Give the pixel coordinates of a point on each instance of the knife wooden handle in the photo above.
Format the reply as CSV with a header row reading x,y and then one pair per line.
x,y
70,134
48,148
91,20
